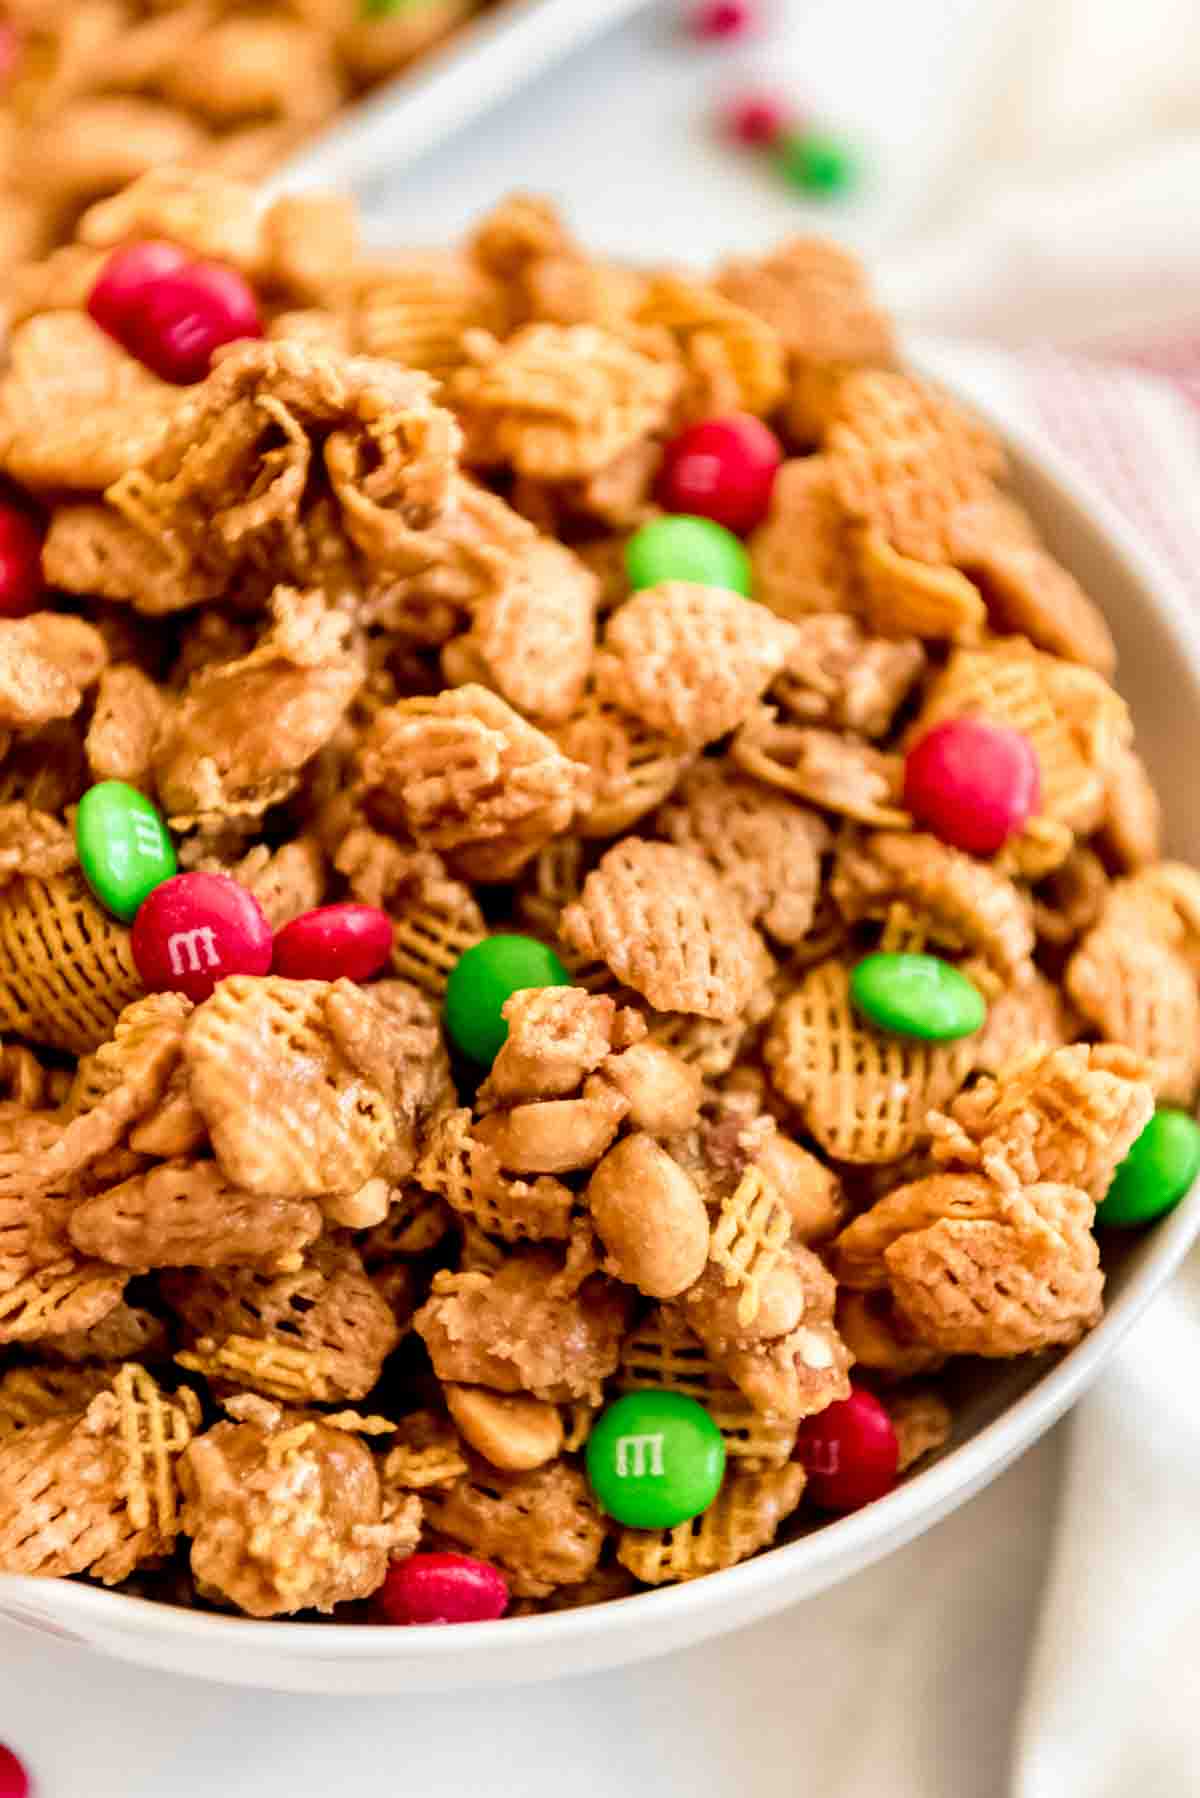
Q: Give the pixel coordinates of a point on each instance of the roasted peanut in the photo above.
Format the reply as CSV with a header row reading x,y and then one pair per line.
x,y
811,1191
714,1310
509,1430
650,1217
663,1092
359,1210
552,1136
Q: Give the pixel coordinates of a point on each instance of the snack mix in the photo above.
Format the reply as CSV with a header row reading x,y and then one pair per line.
x,y
535,1027
94,93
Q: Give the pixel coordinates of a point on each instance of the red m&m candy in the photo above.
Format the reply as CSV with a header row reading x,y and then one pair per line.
x,y
21,583
755,119
14,1780
172,312
849,1451
973,784
723,469
335,942
185,316
126,278
722,18
196,929
442,1588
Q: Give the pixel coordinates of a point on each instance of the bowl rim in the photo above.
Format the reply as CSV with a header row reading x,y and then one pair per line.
x,y
766,1581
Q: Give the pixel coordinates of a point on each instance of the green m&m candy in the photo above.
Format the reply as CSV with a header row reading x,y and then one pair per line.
x,y
481,982
682,548
822,166
917,995
124,847
1156,1173
655,1459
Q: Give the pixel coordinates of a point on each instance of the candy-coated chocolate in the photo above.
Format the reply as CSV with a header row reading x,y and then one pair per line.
x,y
973,784
196,930
917,995
822,166
442,1588
849,1451
722,18
120,288
185,316
14,1776
1157,1172
686,548
654,1459
757,119
335,942
482,981
722,469
21,584
124,847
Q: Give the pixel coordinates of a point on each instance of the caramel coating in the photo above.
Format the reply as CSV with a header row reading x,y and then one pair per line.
x,y
514,1332
287,1515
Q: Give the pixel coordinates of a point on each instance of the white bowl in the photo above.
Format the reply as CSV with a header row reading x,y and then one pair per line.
x,y
483,63
1003,1409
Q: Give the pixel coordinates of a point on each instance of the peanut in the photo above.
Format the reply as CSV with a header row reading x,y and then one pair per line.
x,y
509,1430
811,1191
650,1217
358,1210
663,1091
552,1136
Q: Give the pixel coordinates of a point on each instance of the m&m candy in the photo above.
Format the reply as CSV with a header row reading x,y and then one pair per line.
x,y
21,583
686,548
197,929
14,1778
917,995
123,845
849,1452
822,166
654,1459
186,316
442,1588
171,311
125,279
722,469
722,18
757,119
1157,1172
481,983
335,942
973,784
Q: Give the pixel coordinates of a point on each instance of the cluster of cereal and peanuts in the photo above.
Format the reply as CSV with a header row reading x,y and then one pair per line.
x,y
94,93
497,1020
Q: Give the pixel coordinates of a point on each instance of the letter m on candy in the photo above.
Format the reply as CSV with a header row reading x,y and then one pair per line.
x,y
191,950
639,1455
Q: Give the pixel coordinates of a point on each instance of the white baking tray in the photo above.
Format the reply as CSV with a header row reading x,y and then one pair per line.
x,y
485,62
